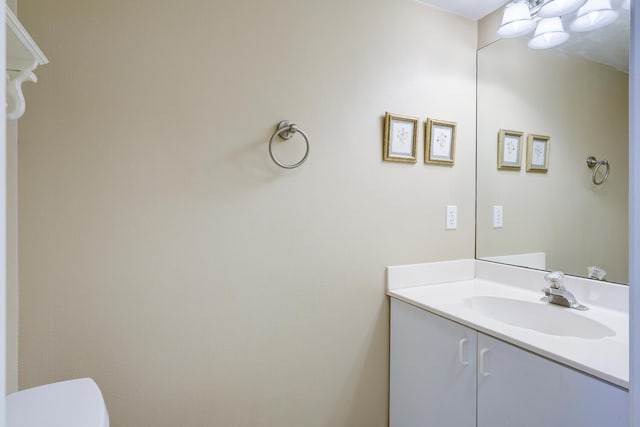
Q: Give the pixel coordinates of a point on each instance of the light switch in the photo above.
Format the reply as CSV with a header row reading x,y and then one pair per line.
x,y
498,216
452,217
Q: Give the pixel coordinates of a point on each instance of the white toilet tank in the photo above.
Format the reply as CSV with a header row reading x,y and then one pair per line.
x,y
75,403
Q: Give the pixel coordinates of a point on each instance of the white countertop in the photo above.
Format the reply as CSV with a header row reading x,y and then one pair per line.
x,y
606,357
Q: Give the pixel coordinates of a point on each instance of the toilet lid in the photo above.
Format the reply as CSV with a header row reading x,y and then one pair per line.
x,y
75,403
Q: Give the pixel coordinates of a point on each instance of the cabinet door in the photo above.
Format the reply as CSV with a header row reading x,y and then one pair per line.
x,y
518,388
433,370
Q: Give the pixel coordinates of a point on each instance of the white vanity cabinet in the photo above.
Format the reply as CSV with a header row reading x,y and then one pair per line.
x,y
519,388
445,374
432,370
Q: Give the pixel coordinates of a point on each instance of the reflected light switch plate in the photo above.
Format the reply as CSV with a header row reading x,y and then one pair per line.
x,y
452,217
498,216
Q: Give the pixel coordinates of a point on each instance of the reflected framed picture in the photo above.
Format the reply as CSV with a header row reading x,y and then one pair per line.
x,y
509,149
440,142
537,153
400,138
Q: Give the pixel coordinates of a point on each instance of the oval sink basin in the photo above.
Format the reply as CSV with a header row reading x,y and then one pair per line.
x,y
539,316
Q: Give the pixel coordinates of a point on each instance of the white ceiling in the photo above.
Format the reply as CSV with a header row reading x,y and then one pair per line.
x,y
472,9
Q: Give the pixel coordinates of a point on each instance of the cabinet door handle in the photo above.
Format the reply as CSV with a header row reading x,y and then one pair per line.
x,y
483,360
461,351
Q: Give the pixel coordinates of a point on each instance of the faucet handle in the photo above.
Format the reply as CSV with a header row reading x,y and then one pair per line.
x,y
555,279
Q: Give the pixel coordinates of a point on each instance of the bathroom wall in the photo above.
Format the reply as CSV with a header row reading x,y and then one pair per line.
x,y
165,255
583,107
488,26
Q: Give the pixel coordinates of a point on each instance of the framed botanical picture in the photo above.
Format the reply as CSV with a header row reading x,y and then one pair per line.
x,y
509,149
400,138
440,142
537,153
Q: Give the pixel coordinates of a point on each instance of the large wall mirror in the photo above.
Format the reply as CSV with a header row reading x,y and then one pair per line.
x,y
554,217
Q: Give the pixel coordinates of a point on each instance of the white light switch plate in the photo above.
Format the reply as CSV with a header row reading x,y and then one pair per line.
x,y
452,217
498,216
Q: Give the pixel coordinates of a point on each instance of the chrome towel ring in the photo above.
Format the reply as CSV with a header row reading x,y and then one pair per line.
x,y
286,130
595,164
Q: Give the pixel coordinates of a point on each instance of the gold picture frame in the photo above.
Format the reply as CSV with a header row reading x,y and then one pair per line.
x,y
510,149
538,153
400,138
440,142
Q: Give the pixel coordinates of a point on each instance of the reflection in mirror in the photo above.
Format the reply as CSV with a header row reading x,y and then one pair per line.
x,y
553,219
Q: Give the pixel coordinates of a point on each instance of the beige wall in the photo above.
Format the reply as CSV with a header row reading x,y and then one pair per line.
x,y
583,107
488,26
163,253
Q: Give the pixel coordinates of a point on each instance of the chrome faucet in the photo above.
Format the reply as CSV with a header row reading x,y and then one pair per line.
x,y
556,293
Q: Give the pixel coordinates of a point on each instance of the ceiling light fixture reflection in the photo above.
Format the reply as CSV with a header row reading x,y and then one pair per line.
x,y
593,15
555,8
516,21
522,16
549,33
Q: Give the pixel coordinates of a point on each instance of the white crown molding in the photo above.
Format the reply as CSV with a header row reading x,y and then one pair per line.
x,y
23,56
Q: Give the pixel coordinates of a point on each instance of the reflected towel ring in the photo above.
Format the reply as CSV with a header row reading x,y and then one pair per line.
x,y
286,130
595,164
